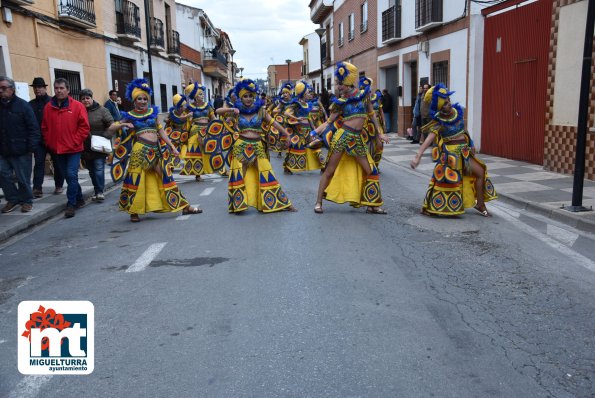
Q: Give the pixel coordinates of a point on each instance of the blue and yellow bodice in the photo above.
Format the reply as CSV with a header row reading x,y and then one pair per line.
x,y
143,122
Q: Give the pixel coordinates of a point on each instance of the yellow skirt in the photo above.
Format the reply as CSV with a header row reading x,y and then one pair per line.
x,y
144,190
257,187
196,162
452,188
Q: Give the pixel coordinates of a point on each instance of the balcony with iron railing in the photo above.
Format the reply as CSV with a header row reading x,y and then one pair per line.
x,y
391,24
173,44
157,40
428,14
320,9
128,21
215,63
80,13
22,2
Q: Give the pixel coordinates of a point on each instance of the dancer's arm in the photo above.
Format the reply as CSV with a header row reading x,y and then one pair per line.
x,y
415,162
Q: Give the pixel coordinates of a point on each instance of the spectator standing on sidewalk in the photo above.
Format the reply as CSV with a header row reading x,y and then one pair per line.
x,y
19,137
102,124
37,104
387,109
416,125
65,127
113,105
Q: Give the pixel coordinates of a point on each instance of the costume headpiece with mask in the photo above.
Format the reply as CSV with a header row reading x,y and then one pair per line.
x,y
365,83
301,88
436,97
346,73
136,88
193,89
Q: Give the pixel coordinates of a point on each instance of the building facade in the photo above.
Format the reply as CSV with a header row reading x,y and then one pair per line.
x,y
50,40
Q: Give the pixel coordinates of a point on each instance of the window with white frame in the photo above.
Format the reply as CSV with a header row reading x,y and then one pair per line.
x,y
364,12
341,36
351,26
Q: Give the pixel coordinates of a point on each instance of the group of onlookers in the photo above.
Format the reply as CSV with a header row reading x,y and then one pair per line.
x,y
59,126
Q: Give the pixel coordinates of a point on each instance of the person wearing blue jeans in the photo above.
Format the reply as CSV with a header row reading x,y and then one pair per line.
x,y
19,137
102,124
19,168
65,126
69,167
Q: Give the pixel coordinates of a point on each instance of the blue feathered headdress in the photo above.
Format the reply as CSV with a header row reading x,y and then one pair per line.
x,y
438,94
245,84
286,86
365,83
136,87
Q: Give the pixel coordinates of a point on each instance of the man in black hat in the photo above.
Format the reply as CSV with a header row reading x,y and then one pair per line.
x,y
41,99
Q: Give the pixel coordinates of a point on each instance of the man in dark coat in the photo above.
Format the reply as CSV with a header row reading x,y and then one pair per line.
x,y
19,137
37,104
113,106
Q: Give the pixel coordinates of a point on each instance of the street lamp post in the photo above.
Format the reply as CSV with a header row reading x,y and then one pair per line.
x,y
149,37
320,32
233,72
288,61
241,71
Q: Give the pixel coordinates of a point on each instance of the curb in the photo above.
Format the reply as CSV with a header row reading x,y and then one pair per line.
x,y
41,217
561,215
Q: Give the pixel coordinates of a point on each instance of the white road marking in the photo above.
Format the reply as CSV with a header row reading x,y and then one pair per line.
x,y
2,341
183,217
207,191
29,386
560,247
562,235
216,180
145,259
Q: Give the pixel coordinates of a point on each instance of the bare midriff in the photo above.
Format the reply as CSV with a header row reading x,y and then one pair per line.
x,y
355,124
148,135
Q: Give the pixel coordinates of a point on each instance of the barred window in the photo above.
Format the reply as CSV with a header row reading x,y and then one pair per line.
x,y
440,73
74,80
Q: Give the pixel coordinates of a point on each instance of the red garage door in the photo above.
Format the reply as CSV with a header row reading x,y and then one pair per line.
x,y
516,50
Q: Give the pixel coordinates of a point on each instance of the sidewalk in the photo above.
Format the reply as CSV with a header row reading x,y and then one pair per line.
x,y
47,206
525,185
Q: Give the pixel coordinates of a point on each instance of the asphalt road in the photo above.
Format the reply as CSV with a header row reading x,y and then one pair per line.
x,y
342,304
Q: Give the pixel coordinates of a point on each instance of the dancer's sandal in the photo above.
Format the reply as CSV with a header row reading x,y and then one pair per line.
x,y
197,179
482,210
134,218
318,209
191,210
291,209
376,210
287,171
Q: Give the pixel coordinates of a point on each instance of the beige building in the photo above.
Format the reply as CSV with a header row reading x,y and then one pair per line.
x,y
53,39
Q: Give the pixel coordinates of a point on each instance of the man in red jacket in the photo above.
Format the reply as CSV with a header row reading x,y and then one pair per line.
x,y
64,127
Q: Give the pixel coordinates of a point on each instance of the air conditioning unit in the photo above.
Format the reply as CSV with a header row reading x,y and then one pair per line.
x,y
424,47
208,32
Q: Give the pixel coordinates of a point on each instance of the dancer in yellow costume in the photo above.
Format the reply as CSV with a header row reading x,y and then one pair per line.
x,y
278,113
252,182
143,160
196,161
460,180
375,147
299,156
176,126
350,175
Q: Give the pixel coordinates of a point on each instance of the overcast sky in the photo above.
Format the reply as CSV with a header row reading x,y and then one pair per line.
x,y
263,32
